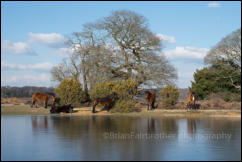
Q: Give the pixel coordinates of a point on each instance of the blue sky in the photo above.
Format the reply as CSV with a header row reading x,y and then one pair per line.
x,y
32,33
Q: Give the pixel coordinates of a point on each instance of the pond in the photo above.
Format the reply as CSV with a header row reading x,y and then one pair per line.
x,y
119,137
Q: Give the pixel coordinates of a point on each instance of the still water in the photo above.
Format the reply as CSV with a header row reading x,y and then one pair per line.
x,y
57,137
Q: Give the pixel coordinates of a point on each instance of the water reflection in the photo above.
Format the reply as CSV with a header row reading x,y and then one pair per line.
x,y
117,138
191,126
151,125
39,123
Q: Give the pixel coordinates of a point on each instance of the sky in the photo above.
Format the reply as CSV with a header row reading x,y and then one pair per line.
x,y
33,33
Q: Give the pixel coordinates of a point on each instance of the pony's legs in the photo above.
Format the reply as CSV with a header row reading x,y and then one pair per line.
x,y
189,106
109,107
93,108
45,104
33,102
70,110
153,105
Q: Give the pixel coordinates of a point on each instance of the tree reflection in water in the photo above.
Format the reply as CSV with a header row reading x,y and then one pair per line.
x,y
93,137
191,126
40,123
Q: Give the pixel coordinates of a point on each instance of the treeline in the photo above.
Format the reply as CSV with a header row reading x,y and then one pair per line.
x,y
26,91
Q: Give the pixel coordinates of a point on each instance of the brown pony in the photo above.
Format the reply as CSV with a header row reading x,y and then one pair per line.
x,y
107,101
150,100
42,97
190,99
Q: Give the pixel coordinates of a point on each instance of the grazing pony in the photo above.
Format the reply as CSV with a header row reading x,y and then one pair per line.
x,y
107,101
190,99
150,100
42,97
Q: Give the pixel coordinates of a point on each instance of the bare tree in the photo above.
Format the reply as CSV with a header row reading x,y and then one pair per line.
x,y
118,47
88,61
136,48
62,71
227,55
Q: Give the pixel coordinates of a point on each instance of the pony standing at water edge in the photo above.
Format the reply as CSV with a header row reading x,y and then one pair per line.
x,y
42,97
191,99
150,99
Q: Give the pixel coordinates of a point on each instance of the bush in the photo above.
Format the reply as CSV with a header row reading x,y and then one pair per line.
x,y
123,106
215,101
124,89
70,91
226,96
169,95
229,97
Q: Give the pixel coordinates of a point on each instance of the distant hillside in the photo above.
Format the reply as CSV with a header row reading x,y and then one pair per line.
x,y
182,93
27,91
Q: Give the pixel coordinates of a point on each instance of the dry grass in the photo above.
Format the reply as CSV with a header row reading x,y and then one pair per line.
x,y
22,109
212,104
15,101
219,104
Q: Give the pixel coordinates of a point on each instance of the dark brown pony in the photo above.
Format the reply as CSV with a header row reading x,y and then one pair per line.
x,y
150,100
107,101
64,108
42,97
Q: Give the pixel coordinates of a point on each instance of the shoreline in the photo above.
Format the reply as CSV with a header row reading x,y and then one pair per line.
x,y
22,109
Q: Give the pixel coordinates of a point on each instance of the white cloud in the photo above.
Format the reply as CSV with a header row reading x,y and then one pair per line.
x,y
213,4
18,48
63,52
44,66
53,40
166,38
186,53
22,80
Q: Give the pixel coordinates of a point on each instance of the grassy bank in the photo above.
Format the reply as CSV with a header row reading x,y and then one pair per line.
x,y
22,109
25,109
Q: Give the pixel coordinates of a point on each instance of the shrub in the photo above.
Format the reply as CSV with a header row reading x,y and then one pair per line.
x,y
226,96
169,95
70,91
124,89
229,97
216,101
102,90
123,106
